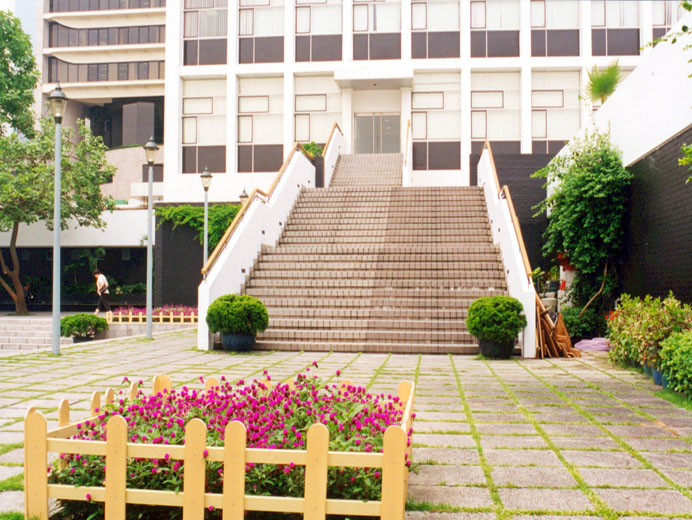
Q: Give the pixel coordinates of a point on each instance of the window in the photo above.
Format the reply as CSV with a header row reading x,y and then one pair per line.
x,y
205,26
496,110
65,72
556,106
61,36
204,125
317,107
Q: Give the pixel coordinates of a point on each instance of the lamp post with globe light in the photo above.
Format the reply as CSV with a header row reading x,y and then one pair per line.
x,y
206,182
150,150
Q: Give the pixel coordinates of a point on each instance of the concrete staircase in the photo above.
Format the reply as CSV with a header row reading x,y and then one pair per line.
x,y
27,333
371,266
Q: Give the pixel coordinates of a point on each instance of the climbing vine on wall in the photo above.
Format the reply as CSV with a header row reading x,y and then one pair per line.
x,y
220,217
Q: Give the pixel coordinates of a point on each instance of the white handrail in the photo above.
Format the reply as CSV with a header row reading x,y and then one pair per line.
x,y
407,171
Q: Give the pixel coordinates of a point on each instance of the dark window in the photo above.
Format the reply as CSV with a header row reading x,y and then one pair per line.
x,y
478,44
122,71
443,44
360,46
563,42
302,48
189,159
190,52
538,43
246,50
212,157
143,70
326,47
502,44
93,73
385,46
623,42
419,45
269,49
420,156
213,52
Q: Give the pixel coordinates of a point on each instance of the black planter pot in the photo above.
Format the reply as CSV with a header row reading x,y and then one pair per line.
x,y
490,349
237,342
81,339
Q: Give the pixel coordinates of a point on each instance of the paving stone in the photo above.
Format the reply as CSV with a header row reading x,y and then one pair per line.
x,y
446,455
585,443
436,426
505,428
658,444
669,460
512,441
636,478
554,517
470,497
646,500
444,440
601,459
643,430
545,499
11,437
11,501
681,476
428,515
585,430
441,416
532,477
521,457
9,471
428,475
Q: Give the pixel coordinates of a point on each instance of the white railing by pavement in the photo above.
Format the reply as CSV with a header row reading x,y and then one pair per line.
x,y
407,173
507,234
259,222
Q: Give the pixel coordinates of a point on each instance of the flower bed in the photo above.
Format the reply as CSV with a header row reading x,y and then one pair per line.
x,y
304,447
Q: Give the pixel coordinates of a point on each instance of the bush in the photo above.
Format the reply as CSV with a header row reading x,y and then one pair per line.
x,y
638,326
313,149
496,318
676,362
82,325
233,314
588,326
356,421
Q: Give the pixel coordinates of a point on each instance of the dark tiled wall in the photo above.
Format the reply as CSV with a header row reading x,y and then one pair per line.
x,y
515,171
437,155
177,265
260,157
659,248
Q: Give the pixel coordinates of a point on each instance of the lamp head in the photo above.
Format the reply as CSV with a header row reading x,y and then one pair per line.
x,y
206,178
150,150
58,101
243,197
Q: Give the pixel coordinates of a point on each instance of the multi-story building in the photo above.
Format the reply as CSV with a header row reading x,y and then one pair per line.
x,y
232,85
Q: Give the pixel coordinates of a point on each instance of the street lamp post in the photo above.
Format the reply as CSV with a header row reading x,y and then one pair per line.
x,y
243,197
206,182
57,100
150,150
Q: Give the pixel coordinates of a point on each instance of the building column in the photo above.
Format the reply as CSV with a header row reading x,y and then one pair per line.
x,y
646,25
465,91
288,117
172,153
289,32
586,59
347,117
347,27
232,94
405,117
405,30
525,55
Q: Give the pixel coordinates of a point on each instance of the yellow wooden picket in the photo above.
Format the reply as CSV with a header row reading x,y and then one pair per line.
x,y
195,454
160,317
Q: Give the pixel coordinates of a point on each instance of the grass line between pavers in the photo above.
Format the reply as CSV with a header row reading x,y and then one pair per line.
x,y
378,371
622,402
12,516
675,398
500,510
14,483
622,443
602,508
431,507
344,368
306,368
4,448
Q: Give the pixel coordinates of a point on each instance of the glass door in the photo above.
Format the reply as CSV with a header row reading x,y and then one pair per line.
x,y
377,133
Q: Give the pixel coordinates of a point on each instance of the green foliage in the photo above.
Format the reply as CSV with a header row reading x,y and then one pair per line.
x,y
220,217
135,288
83,325
233,314
18,76
603,82
588,326
27,180
686,159
14,483
587,208
313,149
638,326
496,318
676,362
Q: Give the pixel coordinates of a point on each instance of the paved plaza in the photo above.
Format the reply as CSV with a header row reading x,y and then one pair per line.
x,y
517,439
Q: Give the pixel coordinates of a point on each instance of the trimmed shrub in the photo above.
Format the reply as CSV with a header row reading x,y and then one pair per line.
x,y
638,326
676,362
496,318
588,326
234,314
83,325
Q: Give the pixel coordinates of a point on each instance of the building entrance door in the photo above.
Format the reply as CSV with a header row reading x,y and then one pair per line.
x,y
377,133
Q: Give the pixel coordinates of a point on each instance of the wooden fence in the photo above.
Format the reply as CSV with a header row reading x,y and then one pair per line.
x,y
159,317
234,455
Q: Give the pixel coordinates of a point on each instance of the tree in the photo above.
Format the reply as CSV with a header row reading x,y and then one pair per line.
x,y
587,209
27,183
18,76
602,83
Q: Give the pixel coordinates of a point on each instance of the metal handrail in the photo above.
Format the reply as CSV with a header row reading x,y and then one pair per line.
x,y
408,130
486,146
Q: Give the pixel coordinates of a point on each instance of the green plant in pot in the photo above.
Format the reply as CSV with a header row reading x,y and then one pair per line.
x,y
496,322
238,319
82,327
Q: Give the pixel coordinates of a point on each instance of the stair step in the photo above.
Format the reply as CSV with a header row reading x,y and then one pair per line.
x,y
377,335
397,348
368,324
361,313
382,297
488,280
420,268
380,275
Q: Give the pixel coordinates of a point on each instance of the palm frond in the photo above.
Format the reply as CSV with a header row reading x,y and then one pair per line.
x,y
602,83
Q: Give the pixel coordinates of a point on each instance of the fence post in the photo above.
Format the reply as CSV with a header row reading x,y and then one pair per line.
x,y
210,382
404,393
315,505
161,384
234,471
63,413
193,477
394,474
95,403
134,388
110,395
35,459
116,468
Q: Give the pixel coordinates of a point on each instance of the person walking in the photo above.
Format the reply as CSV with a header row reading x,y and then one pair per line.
x,y
102,291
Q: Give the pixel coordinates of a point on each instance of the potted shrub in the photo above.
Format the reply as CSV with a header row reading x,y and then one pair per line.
x,y
82,327
238,319
496,322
